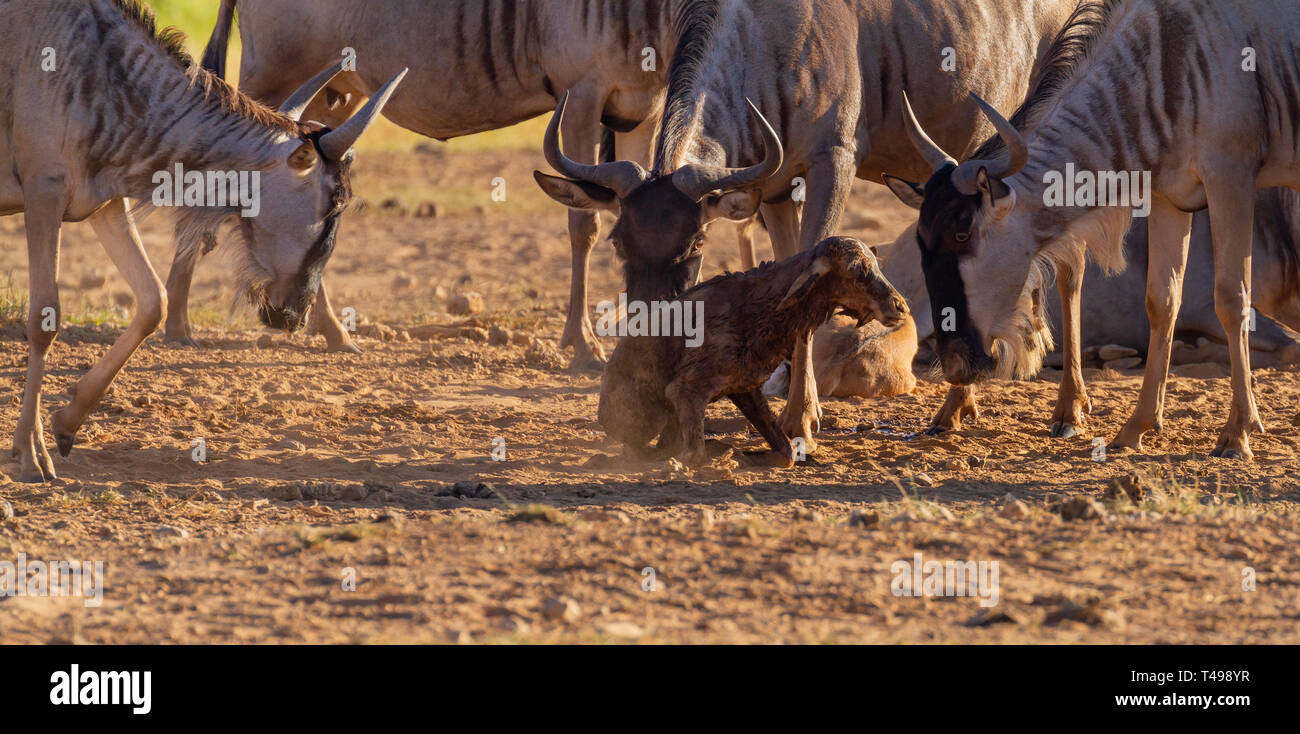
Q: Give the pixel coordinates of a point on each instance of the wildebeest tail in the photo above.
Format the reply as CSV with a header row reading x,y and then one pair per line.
x,y
214,56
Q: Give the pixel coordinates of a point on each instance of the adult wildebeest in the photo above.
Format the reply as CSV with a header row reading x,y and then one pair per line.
x,y
1273,286
94,105
1202,96
475,65
836,115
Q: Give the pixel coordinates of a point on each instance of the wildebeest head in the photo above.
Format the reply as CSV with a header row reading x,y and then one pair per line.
x,y
662,220
301,197
850,274
981,267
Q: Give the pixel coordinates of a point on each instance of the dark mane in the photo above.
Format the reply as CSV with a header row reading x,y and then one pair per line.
x,y
694,32
172,42
1071,46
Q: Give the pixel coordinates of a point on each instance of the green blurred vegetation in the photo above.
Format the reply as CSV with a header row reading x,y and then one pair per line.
x,y
197,17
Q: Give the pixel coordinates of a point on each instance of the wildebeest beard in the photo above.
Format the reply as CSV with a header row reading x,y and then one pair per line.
x,y
307,282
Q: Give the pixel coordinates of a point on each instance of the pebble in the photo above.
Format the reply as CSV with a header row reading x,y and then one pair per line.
x,y
923,480
557,608
465,304
170,531
1014,509
6,510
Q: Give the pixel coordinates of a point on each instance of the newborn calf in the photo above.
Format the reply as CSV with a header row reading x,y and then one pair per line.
x,y
657,386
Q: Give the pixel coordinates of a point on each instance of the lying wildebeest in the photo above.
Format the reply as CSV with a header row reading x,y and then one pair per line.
x,y
659,386
94,105
1144,97
837,116
475,65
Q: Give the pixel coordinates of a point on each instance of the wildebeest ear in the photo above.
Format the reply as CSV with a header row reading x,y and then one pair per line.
x,y
998,198
577,194
909,193
734,205
806,281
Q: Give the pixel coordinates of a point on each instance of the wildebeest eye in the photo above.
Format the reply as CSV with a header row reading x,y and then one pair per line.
x,y
962,236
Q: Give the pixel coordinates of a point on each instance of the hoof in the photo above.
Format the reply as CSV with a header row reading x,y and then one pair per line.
x,y
936,430
1227,453
182,341
587,363
64,442
344,348
1063,430
34,478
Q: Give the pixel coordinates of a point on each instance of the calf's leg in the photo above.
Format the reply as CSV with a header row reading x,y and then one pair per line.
x,y
754,406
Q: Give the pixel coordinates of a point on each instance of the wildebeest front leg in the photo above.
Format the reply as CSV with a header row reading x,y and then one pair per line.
x,y
178,293
44,204
754,406
1168,230
830,176
1072,402
746,235
1232,213
118,235
581,139
327,324
802,415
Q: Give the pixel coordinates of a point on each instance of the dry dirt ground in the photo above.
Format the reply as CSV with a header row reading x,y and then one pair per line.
x,y
324,467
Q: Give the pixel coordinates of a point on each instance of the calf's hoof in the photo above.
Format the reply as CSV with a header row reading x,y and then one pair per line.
x,y
768,460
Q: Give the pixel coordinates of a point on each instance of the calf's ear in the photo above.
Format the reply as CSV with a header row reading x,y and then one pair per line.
x,y
577,194
734,205
806,281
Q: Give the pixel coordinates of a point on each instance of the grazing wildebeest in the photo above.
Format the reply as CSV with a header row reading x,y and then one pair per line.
x,y
475,65
1274,278
837,115
94,104
1162,88
659,386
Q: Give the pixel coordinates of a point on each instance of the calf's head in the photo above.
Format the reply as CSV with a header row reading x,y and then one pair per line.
x,y
300,198
981,268
662,220
847,272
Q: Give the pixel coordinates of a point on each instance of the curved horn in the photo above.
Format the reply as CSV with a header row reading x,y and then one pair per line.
x,y
297,102
931,152
696,180
621,177
1017,154
336,143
